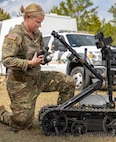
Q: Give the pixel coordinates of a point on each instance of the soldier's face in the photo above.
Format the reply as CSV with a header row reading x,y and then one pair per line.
x,y
35,23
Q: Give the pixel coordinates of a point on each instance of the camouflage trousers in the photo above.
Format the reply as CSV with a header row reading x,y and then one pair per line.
x,y
24,90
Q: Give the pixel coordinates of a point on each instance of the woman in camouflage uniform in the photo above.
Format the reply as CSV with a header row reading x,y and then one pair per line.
x,y
25,79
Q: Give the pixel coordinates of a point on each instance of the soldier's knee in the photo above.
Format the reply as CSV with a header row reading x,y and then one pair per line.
x,y
22,121
72,81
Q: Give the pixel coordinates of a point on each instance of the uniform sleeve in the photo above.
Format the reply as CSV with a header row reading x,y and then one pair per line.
x,y
10,49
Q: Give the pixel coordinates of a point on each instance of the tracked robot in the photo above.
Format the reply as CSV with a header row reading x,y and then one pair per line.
x,y
85,112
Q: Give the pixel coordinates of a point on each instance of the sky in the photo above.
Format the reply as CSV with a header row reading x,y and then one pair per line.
x,y
13,6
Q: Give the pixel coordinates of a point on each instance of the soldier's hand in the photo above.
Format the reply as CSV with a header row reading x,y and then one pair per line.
x,y
36,60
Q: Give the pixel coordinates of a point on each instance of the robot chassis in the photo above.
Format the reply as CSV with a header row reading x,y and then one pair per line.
x,y
74,118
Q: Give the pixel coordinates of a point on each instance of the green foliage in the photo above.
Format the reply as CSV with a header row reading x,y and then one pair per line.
x,y
79,9
86,17
91,25
4,15
113,11
113,35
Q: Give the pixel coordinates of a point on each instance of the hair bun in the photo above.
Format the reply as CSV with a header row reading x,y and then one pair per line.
x,y
22,9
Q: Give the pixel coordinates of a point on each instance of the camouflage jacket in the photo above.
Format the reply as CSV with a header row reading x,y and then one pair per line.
x,y
18,47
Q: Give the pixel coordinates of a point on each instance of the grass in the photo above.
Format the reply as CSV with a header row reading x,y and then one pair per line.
x,y
36,134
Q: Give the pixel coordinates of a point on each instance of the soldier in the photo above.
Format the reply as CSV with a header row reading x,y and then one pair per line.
x,y
25,79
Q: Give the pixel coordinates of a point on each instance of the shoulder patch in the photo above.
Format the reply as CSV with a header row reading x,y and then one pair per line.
x,y
11,36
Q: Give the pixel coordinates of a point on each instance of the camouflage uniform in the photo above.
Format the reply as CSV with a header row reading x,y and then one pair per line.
x,y
23,84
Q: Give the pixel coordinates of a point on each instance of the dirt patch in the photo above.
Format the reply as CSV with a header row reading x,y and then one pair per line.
x,y
36,134
3,80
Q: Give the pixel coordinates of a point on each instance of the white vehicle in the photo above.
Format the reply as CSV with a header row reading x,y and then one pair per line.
x,y
84,44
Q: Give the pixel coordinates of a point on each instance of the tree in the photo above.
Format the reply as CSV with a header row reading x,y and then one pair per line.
x,y
86,17
113,11
4,15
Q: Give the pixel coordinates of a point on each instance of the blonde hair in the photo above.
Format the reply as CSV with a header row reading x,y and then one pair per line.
x,y
32,10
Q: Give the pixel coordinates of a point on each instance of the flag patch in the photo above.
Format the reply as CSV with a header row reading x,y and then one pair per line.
x,y
12,37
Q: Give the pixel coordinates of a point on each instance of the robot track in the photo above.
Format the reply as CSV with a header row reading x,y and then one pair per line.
x,y
77,121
